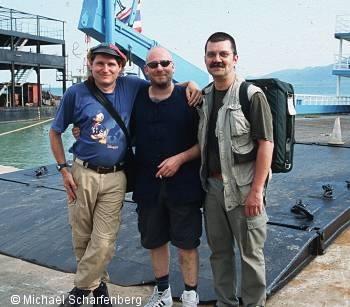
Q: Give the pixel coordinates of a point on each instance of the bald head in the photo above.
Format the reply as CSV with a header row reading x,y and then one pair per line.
x,y
158,52
159,67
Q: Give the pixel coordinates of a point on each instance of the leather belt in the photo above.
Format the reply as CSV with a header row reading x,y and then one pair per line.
x,y
216,175
100,169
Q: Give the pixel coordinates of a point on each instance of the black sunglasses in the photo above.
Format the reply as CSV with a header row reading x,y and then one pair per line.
x,y
154,64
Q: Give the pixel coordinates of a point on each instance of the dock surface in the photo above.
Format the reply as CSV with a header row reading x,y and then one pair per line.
x,y
323,282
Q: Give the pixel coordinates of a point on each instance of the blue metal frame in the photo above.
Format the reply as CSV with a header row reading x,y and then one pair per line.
x,y
97,20
133,13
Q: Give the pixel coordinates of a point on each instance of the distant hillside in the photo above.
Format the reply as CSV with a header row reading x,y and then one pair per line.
x,y
312,80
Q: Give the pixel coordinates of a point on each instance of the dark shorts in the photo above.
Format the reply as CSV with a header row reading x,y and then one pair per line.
x,y
159,223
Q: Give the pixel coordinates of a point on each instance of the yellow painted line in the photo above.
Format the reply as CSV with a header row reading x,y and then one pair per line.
x,y
26,127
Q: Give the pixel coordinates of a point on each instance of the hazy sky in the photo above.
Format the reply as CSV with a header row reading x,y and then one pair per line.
x,y
270,35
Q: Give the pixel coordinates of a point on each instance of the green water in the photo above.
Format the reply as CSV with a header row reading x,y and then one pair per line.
x,y
30,147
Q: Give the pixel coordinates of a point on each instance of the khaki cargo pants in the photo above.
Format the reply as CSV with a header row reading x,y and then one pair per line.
x,y
95,220
225,230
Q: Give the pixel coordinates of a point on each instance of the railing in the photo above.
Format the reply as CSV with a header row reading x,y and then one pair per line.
x,y
342,24
342,62
302,99
13,20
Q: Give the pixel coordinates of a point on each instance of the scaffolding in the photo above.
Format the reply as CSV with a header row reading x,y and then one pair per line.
x,y
341,67
24,41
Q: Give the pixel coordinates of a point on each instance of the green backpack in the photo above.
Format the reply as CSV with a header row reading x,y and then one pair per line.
x,y
280,96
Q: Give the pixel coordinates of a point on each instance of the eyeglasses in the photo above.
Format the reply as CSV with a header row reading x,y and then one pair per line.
x,y
154,64
222,54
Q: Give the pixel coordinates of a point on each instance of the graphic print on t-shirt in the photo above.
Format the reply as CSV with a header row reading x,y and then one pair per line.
x,y
98,131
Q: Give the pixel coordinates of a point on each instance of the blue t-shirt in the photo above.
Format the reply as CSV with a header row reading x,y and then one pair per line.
x,y
101,140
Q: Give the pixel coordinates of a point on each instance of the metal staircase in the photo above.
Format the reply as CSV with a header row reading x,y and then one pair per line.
x,y
3,89
22,75
20,43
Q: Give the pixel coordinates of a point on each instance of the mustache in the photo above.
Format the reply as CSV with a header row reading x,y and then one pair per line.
x,y
217,64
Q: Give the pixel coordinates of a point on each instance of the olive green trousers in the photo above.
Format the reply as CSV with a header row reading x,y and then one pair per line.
x,y
228,233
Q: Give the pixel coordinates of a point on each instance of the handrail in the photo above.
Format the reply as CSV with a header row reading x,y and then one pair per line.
x,y
342,24
305,99
342,61
342,66
14,20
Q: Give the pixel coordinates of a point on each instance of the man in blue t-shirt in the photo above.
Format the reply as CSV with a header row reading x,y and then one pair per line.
x,y
167,188
96,184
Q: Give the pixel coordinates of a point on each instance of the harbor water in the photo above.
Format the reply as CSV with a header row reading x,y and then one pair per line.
x,y
26,144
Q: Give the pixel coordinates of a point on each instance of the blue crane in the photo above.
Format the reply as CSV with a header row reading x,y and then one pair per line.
x,y
98,20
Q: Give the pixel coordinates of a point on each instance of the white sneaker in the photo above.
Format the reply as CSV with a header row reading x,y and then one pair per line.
x,y
160,299
189,298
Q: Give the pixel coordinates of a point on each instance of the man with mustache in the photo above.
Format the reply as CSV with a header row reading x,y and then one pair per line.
x,y
236,159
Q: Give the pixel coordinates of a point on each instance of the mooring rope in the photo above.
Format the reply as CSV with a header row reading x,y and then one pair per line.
x,y
26,127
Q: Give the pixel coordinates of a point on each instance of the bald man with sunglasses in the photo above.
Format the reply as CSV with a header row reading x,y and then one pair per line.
x,y
167,189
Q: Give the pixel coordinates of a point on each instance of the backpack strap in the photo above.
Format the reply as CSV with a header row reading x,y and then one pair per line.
x,y
246,91
245,105
244,99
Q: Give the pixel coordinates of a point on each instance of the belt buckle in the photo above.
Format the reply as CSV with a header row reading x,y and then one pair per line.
x,y
101,169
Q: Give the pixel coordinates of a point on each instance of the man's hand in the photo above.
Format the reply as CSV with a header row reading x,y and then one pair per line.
x,y
254,203
193,94
76,132
170,166
69,184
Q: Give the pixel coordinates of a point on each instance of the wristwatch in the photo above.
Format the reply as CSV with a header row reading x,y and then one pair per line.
x,y
60,166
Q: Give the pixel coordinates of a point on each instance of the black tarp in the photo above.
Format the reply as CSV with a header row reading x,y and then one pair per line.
x,y
34,222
